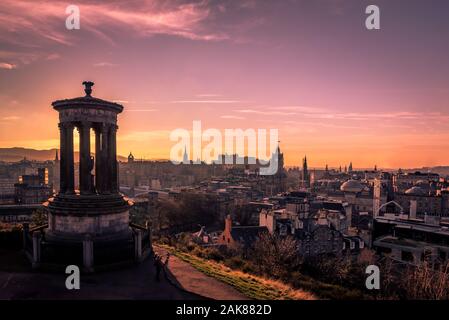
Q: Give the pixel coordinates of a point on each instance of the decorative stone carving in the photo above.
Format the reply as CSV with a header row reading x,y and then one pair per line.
x,y
88,87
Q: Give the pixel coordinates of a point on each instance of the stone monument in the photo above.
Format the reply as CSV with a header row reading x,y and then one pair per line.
x,y
90,225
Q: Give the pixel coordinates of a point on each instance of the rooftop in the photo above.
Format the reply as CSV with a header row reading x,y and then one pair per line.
x,y
415,224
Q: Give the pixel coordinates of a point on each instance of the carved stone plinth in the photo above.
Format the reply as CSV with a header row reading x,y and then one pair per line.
x,y
103,217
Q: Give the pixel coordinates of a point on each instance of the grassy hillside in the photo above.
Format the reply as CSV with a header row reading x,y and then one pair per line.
x,y
251,286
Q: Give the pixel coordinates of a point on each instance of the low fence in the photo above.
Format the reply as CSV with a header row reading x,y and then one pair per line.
x,y
101,254
65,254
11,239
113,252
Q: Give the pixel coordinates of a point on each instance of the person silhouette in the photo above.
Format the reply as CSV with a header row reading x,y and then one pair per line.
x,y
157,264
166,259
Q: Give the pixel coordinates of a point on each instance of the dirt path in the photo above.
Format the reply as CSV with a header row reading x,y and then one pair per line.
x,y
197,282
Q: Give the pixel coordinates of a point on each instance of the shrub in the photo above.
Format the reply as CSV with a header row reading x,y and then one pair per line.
x,y
198,251
213,254
234,262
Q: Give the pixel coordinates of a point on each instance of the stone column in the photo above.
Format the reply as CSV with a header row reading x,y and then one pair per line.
x,y
70,166
36,249
150,243
85,160
63,161
25,232
105,170
88,254
113,158
98,157
138,245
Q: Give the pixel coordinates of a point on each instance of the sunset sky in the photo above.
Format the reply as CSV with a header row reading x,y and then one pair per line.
x,y
335,90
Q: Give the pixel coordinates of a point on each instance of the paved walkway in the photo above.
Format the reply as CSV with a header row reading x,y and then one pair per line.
x,y
197,282
136,282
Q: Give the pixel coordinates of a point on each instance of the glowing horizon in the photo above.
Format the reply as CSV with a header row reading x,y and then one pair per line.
x,y
336,92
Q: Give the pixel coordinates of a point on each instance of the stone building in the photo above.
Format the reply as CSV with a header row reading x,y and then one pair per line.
x,y
7,191
33,189
319,227
403,181
409,240
240,236
425,203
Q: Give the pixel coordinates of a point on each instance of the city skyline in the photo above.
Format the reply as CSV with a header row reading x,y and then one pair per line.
x,y
336,91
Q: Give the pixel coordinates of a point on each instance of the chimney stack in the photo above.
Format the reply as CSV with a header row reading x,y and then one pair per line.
x,y
228,223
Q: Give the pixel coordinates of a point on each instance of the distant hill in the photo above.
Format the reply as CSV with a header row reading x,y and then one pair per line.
x,y
17,154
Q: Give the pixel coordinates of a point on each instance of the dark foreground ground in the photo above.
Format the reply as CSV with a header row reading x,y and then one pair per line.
x,y
137,282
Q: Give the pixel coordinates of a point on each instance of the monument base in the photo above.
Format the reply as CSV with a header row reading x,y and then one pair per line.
x,y
90,231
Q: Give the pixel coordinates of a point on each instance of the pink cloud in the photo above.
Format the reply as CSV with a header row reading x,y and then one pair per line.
x,y
8,66
208,101
40,24
264,112
232,117
105,64
46,19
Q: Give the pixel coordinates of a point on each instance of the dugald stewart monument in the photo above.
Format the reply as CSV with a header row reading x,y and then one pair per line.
x,y
88,227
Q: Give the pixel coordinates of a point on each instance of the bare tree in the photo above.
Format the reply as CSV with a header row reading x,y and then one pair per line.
x,y
424,282
276,255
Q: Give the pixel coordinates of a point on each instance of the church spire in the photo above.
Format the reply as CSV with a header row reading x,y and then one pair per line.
x,y
130,157
278,149
305,183
185,158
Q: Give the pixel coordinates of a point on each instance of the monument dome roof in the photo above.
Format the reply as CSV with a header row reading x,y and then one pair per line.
x,y
351,186
415,191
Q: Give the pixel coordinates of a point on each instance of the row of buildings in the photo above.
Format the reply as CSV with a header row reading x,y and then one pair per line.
x,y
24,186
402,214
